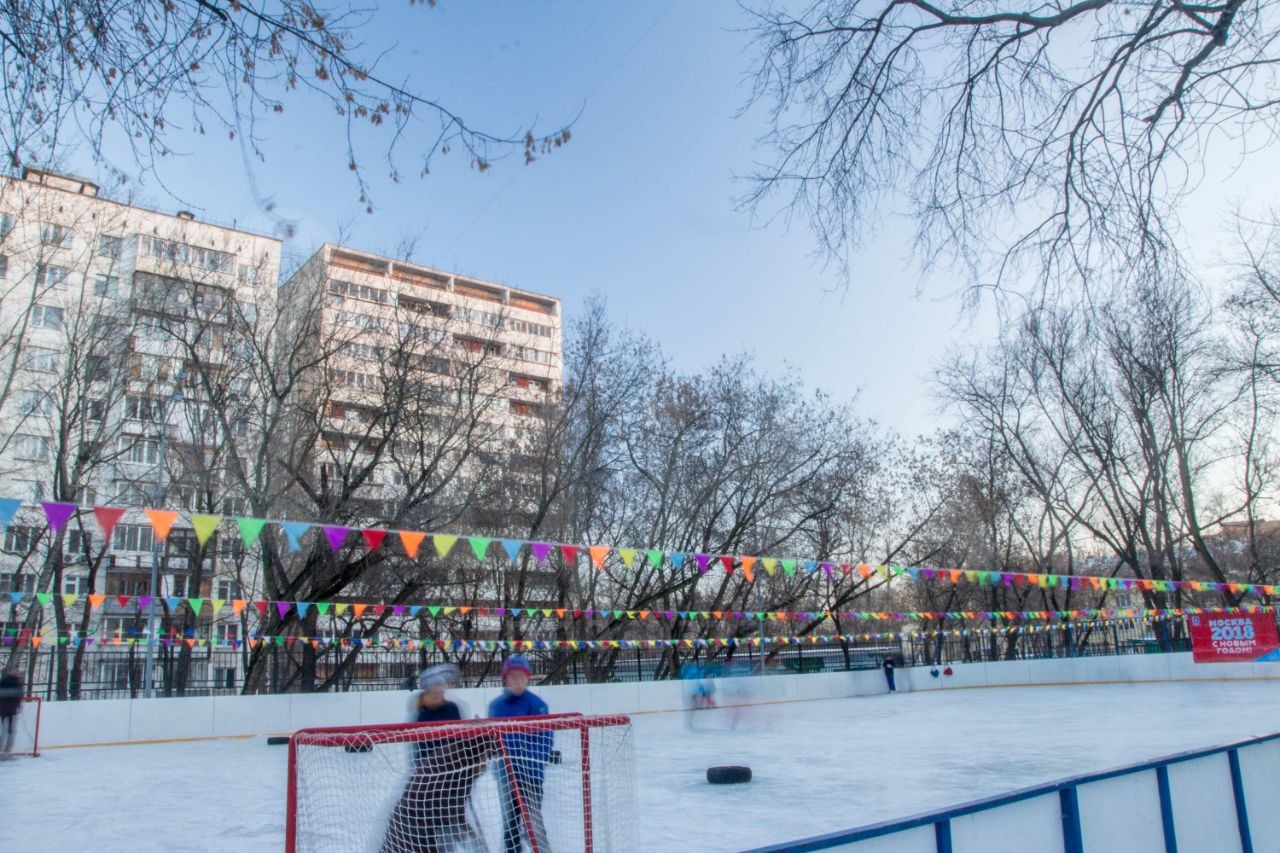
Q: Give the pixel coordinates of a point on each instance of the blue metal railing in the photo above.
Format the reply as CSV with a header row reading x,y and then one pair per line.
x,y
1066,789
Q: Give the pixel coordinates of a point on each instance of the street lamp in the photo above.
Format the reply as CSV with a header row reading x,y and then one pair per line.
x,y
153,588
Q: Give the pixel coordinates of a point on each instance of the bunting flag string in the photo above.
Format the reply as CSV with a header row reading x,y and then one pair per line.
x,y
59,514
359,608
12,636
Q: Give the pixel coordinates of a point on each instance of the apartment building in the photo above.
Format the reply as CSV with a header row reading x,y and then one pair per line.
x,y
121,329
465,348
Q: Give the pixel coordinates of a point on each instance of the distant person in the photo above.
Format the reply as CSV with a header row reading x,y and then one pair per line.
x,y
10,706
431,815
888,673
520,781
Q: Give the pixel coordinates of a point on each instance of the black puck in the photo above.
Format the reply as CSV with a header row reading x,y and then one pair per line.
x,y
728,775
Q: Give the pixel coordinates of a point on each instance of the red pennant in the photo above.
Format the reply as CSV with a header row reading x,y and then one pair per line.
x,y
262,607
570,553
379,609
122,600
373,538
727,562
107,517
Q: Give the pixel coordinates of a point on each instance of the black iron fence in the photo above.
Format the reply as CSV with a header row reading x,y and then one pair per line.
x,y
112,671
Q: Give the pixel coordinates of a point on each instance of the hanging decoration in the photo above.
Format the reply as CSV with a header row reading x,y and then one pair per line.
x,y
58,514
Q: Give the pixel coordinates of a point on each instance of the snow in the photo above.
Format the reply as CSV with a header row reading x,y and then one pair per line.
x,y
819,766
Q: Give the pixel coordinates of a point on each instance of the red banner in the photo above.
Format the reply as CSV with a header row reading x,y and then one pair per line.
x,y
1228,637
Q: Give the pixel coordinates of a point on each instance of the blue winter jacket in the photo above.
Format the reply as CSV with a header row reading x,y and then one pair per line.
x,y
529,752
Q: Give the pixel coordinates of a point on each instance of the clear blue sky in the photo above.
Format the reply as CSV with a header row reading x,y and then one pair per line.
x,y
640,206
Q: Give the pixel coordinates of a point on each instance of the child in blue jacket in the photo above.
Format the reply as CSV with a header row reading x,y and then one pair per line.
x,y
529,754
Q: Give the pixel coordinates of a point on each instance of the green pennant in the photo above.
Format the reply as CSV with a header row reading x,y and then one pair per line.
x,y
789,566
196,604
444,543
530,611
323,607
479,545
434,609
250,529
655,557
204,526
279,641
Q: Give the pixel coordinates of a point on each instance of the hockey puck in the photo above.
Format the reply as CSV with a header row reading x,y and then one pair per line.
x,y
358,747
279,740
728,775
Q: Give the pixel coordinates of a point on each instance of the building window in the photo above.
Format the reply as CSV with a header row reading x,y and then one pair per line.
x,y
95,410
56,235
105,285
110,247
35,403
132,537
51,275
234,506
248,275
224,677
87,496
138,408
6,224
31,448
46,317
20,539
139,450
43,360
79,541
16,582
4,266
128,583
228,589
530,328
180,585
520,408
75,585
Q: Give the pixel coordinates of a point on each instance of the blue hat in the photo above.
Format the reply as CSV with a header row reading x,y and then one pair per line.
x,y
515,663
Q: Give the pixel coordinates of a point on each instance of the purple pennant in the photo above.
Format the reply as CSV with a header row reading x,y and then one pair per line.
x,y
703,561
541,550
827,567
283,607
58,513
144,601
500,611
336,534
397,609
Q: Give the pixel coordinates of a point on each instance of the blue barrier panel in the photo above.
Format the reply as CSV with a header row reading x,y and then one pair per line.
x,y
1067,793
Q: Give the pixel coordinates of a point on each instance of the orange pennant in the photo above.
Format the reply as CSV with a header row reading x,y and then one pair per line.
x,y
161,521
96,600
237,605
598,553
411,540
359,609
748,567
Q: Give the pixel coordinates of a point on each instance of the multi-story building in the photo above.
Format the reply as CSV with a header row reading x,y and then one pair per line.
x,y
121,331
480,357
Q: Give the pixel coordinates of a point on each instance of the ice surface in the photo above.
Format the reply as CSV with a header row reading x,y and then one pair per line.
x,y
819,766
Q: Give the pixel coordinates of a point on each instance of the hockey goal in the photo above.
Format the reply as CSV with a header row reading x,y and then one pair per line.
x,y
26,728
563,782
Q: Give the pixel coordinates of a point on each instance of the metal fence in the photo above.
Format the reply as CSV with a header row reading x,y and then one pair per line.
x,y
111,671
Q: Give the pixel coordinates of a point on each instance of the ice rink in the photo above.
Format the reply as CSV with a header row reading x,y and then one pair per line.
x,y
819,766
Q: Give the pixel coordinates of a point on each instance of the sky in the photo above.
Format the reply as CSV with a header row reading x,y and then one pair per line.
x,y
641,206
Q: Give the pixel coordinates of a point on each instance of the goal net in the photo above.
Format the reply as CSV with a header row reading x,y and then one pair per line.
x,y
556,783
26,728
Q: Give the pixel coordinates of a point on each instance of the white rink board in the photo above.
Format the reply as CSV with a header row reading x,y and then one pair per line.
x,y
819,766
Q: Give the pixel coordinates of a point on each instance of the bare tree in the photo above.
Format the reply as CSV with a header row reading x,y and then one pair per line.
x,y
1064,134
110,73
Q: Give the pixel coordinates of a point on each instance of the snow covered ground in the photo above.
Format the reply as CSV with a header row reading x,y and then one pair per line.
x,y
819,766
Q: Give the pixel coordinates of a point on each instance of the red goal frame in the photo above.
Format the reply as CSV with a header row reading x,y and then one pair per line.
x,y
336,736
30,705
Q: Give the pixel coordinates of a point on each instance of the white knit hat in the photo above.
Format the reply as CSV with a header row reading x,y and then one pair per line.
x,y
442,673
